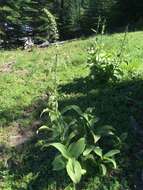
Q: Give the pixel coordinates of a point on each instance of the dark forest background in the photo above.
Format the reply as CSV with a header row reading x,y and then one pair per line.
x,y
74,18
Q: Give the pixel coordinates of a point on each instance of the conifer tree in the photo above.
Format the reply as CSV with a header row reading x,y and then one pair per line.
x,y
10,23
34,15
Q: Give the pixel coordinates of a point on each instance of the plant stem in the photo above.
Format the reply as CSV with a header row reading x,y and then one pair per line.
x,y
74,186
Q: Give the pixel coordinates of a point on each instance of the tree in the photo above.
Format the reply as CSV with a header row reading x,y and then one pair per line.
x,y
93,10
9,22
131,12
70,18
35,14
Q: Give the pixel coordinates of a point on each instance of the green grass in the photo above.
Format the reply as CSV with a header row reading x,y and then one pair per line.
x,y
23,89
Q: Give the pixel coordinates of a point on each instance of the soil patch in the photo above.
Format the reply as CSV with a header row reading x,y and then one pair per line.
x,y
7,67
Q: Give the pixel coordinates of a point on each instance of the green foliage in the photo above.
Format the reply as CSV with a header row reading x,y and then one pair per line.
x,y
77,142
69,18
9,23
105,65
74,18
93,10
36,15
19,15
9,182
71,154
76,138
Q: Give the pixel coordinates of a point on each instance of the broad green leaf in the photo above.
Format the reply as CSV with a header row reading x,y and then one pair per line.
x,y
89,110
44,111
44,128
72,107
77,148
69,187
88,150
62,148
73,122
112,161
105,130
58,163
74,170
104,170
70,137
83,171
95,137
86,117
93,121
111,153
98,151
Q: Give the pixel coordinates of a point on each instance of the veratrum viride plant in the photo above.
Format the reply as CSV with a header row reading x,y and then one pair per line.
x,y
105,65
76,138
77,141
52,29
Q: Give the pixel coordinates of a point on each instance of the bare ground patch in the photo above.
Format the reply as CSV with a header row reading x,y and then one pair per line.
x,y
16,135
7,67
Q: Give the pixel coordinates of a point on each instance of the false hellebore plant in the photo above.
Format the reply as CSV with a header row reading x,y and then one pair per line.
x,y
77,140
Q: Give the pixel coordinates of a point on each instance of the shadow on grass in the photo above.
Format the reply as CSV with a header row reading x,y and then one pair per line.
x,y
22,115
27,166
114,105
119,105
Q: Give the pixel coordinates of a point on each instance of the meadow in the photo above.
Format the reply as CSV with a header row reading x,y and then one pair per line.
x,y
25,78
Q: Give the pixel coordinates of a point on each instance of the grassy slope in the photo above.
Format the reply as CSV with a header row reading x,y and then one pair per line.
x,y
24,85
